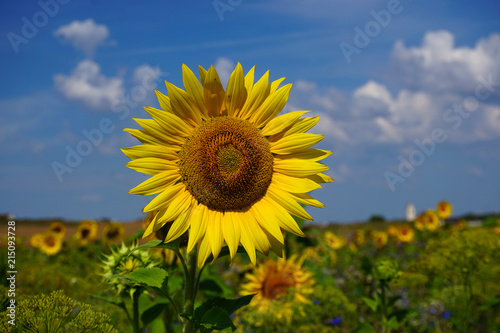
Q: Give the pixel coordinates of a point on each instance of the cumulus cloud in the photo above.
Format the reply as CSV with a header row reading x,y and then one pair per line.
x,y
84,35
144,75
438,65
86,84
224,68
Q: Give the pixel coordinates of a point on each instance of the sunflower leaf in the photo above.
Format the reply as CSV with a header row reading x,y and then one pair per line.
x,y
152,277
216,319
215,312
156,243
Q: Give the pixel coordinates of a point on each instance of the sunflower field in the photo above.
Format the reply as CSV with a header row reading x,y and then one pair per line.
x,y
227,244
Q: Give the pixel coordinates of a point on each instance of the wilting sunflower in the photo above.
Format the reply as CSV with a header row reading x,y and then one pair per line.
x,y
334,241
58,228
225,164
444,209
274,279
406,234
112,232
86,232
51,243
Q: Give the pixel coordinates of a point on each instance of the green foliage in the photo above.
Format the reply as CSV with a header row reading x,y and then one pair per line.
x,y
58,313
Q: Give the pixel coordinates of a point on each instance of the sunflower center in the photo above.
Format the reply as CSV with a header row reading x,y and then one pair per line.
x,y
50,241
85,233
226,163
277,285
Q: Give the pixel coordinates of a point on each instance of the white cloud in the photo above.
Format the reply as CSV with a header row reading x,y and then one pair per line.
x,y
145,75
224,68
86,84
84,35
437,65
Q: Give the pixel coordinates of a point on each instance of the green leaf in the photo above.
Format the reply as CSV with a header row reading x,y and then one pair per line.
x,y
210,285
365,328
372,303
153,277
153,312
400,315
156,243
228,306
218,319
392,323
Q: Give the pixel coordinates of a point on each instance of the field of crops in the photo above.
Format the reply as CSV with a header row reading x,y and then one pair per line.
x,y
430,275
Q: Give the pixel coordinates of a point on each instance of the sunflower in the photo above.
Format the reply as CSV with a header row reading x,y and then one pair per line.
x,y
274,279
86,232
379,238
444,209
58,228
427,220
36,239
225,165
392,231
51,243
405,234
359,237
112,232
334,241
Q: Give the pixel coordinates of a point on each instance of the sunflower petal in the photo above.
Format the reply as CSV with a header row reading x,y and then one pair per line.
x,y
298,168
143,136
164,101
294,184
311,154
214,94
203,251
287,222
214,232
306,199
198,226
286,201
179,204
295,142
236,94
179,226
151,165
170,122
152,128
231,231
157,183
272,106
266,218
256,96
280,123
194,89
321,178
150,150
182,104
164,198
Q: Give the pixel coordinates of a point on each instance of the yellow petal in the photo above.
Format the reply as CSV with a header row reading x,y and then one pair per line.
x,y
256,95
295,142
287,222
182,104
194,89
311,154
306,199
157,183
214,232
321,178
203,251
231,231
150,150
272,106
163,199
286,201
214,94
164,101
264,213
153,227
260,240
179,226
300,126
198,226
170,122
152,127
275,84
236,94
294,184
179,204
143,136
247,239
203,74
152,165
249,77
282,122
298,168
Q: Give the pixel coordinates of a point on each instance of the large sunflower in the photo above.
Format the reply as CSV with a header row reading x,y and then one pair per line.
x,y
225,165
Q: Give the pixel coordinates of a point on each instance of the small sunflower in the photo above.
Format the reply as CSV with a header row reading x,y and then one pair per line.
x,y
58,228
274,279
392,231
359,237
86,232
36,239
444,209
112,232
51,243
406,234
334,241
225,165
379,238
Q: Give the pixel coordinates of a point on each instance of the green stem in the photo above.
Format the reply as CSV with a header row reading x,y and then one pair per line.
x,y
135,309
190,291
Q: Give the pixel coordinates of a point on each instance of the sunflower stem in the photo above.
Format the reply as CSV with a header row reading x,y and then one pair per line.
x,y
190,291
135,305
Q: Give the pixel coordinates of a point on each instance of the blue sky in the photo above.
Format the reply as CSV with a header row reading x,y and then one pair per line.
x,y
408,93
